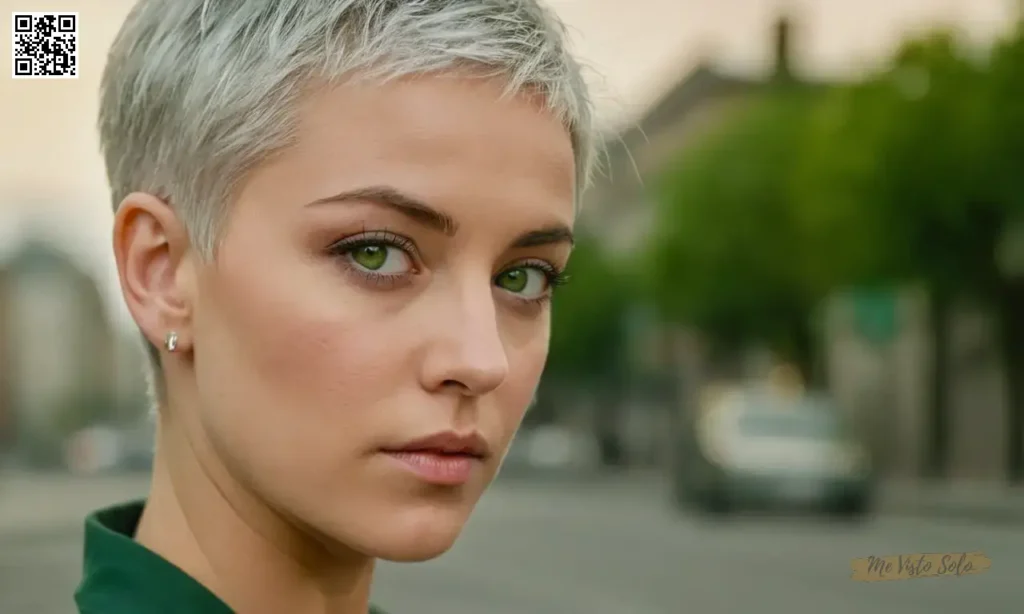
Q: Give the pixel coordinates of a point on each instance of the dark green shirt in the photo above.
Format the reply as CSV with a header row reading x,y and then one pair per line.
x,y
122,577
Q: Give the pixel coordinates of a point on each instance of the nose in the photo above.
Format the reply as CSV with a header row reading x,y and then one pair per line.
x,y
466,351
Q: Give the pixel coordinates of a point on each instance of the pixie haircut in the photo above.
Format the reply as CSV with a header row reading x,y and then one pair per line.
x,y
196,93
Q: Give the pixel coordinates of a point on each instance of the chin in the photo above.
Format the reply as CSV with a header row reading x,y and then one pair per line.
x,y
414,536
415,552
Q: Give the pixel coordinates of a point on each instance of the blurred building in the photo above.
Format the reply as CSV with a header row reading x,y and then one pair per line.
x,y
59,353
6,368
883,375
876,350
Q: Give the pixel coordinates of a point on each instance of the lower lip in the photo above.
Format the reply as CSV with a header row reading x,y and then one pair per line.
x,y
435,468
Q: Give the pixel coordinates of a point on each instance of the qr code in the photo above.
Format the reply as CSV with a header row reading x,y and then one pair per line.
x,y
45,45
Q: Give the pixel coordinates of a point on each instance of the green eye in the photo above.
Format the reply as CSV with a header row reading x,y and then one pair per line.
x,y
514,280
370,257
389,256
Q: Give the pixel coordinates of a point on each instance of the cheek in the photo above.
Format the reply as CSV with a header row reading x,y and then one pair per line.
x,y
320,360
526,362
289,356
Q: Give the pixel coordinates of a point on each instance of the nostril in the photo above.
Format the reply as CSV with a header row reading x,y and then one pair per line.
x,y
452,383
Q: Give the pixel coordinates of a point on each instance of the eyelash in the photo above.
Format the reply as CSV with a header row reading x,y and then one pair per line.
x,y
345,246
554,276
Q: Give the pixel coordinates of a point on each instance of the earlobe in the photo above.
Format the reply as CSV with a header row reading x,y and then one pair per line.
x,y
151,247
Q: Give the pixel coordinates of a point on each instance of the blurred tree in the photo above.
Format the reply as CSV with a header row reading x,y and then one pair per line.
x,y
1006,168
908,158
90,409
728,255
587,336
588,343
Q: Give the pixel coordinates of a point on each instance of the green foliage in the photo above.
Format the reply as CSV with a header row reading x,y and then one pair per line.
x,y
905,160
728,255
587,332
913,174
835,190
1006,122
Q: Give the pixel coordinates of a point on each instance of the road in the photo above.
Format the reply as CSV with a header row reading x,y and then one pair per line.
x,y
614,548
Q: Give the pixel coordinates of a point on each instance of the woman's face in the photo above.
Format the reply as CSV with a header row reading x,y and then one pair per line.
x,y
385,280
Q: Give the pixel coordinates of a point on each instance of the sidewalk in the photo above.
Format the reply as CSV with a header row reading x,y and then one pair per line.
x,y
973,501
31,502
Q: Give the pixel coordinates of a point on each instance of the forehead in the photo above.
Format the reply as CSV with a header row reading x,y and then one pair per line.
x,y
453,140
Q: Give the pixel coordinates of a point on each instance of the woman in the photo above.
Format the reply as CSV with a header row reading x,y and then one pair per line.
x,y
338,227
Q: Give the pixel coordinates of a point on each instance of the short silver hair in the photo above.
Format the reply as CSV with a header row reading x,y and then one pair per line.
x,y
197,92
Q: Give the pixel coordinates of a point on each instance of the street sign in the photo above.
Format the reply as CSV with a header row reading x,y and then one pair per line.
x,y
875,314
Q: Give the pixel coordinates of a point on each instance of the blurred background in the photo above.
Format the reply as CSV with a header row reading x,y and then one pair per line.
x,y
795,332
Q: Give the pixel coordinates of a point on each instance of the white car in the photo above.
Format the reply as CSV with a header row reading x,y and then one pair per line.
x,y
755,448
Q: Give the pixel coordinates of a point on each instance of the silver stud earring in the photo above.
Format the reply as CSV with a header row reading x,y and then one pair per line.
x,y
171,341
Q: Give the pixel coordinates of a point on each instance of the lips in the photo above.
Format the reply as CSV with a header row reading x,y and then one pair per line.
x,y
438,469
443,459
448,443
443,452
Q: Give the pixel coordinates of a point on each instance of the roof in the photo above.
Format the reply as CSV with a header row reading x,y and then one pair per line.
x,y
36,255
696,88
633,154
701,86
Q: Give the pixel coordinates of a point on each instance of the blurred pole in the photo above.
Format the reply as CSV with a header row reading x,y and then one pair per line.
x,y
642,386
1011,306
682,355
608,394
607,423
783,50
938,389
675,408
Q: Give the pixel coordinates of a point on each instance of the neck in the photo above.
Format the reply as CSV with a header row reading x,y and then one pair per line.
x,y
211,526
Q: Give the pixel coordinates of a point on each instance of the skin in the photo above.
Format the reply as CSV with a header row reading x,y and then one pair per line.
x,y
296,364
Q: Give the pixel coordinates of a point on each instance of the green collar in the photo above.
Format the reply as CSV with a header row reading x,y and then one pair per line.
x,y
121,576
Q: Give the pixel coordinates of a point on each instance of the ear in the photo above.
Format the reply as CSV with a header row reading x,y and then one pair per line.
x,y
155,265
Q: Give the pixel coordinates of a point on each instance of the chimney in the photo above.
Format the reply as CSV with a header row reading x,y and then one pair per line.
x,y
783,33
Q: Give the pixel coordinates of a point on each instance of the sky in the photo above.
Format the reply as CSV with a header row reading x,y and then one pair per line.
x,y
639,49
52,178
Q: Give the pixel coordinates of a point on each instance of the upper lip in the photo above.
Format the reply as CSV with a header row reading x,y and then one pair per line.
x,y
448,442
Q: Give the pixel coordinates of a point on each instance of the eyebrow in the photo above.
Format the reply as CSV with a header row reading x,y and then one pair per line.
x,y
424,214
411,207
546,236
